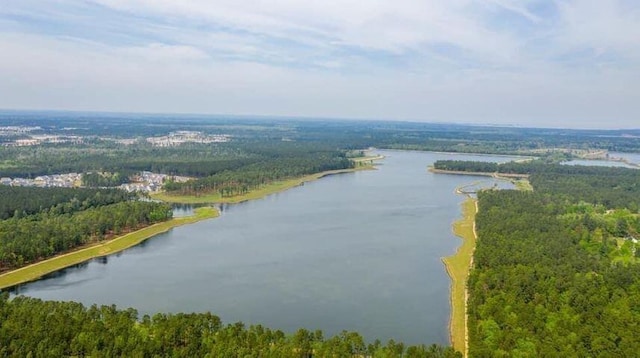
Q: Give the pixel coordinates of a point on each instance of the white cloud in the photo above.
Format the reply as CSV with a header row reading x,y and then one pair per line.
x,y
372,24
407,59
162,52
601,24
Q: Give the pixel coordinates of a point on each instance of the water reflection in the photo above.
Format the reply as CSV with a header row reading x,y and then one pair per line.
x,y
360,251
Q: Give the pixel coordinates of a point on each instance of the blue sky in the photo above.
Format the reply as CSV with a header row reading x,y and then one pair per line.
x,y
560,63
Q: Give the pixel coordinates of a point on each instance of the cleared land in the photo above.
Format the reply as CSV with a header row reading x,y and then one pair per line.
x,y
39,269
458,267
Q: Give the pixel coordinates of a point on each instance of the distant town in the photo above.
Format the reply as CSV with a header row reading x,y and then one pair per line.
x,y
22,136
146,182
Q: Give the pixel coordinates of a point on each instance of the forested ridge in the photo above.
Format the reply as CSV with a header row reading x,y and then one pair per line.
x,y
556,271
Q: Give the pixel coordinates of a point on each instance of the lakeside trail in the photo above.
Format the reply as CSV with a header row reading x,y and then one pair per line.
x,y
458,267
36,270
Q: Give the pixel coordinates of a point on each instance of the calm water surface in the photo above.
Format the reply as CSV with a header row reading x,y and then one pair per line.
x,y
359,251
631,157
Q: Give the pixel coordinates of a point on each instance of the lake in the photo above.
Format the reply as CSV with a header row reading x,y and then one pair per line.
x,y
631,157
359,251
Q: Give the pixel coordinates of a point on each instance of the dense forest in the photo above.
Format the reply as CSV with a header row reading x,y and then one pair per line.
x,y
25,239
556,270
98,146
23,201
62,329
613,187
278,162
226,168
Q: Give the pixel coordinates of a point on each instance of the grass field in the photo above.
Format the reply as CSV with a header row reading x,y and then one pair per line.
x,y
458,267
523,184
261,192
37,270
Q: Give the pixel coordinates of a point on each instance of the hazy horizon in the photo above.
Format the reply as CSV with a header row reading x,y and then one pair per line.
x,y
533,63
248,116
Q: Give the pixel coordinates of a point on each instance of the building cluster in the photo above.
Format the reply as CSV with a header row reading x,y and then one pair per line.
x,y
180,137
149,182
43,138
17,130
45,181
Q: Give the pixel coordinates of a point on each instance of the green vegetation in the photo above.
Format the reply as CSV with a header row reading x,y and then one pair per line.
x,y
23,201
523,184
70,329
37,270
608,186
256,193
99,180
35,237
277,163
556,269
458,266
548,278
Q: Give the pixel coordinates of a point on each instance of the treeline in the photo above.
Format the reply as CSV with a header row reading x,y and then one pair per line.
x,y
546,280
22,201
188,160
34,328
228,168
612,187
42,235
274,166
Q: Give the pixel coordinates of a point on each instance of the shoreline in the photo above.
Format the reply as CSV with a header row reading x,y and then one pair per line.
x,y
458,267
85,253
273,188
524,156
37,270
506,176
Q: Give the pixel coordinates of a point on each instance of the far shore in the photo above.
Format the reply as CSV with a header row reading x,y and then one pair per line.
x,y
484,174
37,270
268,189
523,156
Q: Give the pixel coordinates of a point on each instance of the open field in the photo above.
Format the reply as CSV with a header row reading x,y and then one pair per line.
x,y
523,184
39,269
458,267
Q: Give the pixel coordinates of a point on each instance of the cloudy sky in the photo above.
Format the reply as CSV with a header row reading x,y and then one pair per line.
x,y
569,63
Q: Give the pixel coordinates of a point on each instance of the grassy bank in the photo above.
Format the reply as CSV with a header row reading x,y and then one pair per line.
x,y
261,192
39,269
458,266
